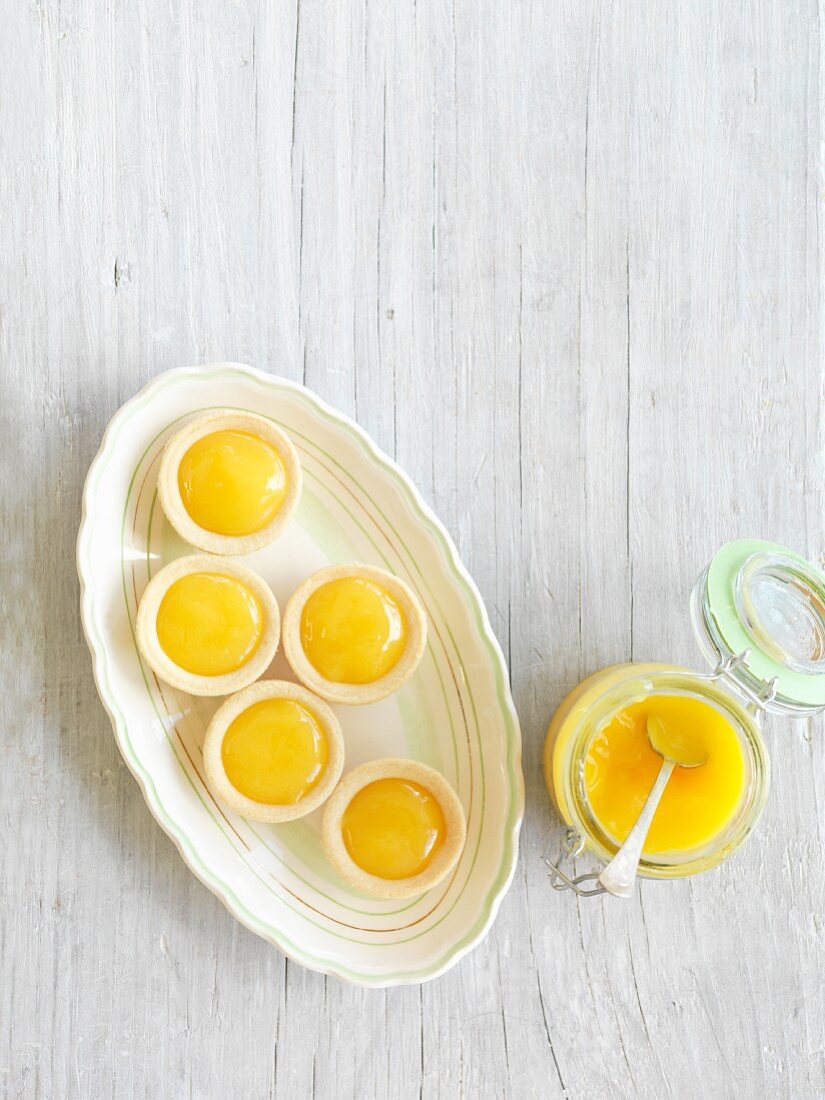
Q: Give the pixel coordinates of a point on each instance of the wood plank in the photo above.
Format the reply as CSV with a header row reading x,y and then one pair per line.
x,y
562,261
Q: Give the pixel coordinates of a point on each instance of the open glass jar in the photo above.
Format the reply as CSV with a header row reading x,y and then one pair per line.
x,y
758,612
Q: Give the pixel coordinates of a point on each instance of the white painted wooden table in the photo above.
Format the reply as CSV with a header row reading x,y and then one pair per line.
x,y
560,259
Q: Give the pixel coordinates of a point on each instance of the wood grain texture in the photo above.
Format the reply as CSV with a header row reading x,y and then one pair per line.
x,y
562,259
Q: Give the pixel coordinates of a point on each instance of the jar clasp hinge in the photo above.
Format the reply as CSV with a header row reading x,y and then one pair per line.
x,y
727,666
572,845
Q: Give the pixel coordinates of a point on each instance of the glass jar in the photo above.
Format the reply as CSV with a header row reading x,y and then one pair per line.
x,y
758,612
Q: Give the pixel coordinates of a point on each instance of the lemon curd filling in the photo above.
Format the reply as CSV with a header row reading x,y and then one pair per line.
x,y
621,767
352,631
209,624
275,752
392,828
232,482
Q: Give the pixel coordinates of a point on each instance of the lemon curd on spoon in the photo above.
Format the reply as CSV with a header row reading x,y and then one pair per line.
x,y
353,631
232,482
275,752
209,624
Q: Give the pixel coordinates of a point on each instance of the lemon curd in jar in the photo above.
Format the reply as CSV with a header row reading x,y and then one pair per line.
x,y
393,827
275,752
353,631
600,766
621,767
209,624
232,482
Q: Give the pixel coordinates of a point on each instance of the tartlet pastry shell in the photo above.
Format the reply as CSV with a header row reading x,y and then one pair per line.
x,y
444,859
169,492
229,710
147,635
355,694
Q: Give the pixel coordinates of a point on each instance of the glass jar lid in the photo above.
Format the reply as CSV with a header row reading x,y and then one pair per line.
x,y
759,609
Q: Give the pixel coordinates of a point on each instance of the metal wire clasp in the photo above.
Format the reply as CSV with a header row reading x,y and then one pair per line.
x,y
725,670
572,845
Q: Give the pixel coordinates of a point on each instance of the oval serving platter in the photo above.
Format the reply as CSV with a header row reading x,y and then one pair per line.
x,y
455,714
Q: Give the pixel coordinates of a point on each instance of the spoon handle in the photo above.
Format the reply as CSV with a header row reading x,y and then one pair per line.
x,y
619,876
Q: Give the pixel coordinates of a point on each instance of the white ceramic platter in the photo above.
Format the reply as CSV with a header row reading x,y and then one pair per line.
x,y
455,714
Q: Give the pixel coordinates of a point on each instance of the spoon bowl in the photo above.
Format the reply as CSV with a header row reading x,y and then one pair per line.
x,y
674,745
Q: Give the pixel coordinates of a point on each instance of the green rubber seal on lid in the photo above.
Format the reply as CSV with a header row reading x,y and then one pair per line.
x,y
771,602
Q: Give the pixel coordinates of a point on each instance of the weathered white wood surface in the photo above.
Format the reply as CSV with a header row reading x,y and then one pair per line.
x,y
562,260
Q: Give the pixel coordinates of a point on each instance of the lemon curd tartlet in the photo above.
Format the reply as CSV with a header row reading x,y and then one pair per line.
x,y
393,828
207,625
354,634
273,752
229,482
